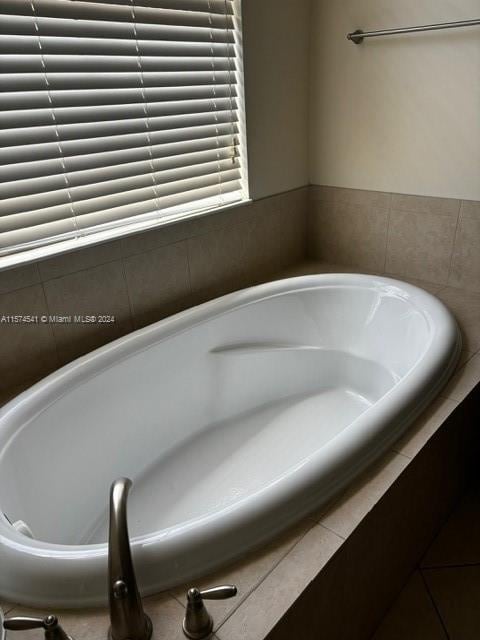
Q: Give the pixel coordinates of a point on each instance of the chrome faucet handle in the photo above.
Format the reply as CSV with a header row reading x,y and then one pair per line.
x,y
198,623
53,631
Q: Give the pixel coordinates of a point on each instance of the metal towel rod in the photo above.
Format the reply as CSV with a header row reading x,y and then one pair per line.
x,y
358,36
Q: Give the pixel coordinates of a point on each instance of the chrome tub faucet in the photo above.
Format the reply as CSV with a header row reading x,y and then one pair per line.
x,y
127,618
128,621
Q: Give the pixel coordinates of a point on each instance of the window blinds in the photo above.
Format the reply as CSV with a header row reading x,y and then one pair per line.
x,y
115,112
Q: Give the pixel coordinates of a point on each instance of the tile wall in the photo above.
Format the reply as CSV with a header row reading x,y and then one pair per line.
x,y
148,276
433,239
140,279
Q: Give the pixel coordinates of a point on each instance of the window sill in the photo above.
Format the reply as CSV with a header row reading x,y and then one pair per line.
x,y
101,237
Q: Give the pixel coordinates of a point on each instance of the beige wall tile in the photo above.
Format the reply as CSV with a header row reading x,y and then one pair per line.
x,y
425,204
6,606
19,277
166,615
374,199
420,245
471,209
243,245
267,604
156,238
214,220
247,573
278,233
464,380
465,356
378,199
101,290
413,615
223,260
11,392
348,233
27,351
85,258
466,308
346,513
158,283
425,426
322,193
465,270
311,267
431,287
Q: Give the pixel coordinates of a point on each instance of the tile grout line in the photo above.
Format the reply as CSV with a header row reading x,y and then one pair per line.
x,y
255,584
50,326
388,232
455,235
404,455
434,604
221,226
189,269
320,523
129,298
262,579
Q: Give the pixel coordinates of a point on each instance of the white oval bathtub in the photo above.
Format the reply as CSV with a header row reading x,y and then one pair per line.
x,y
234,419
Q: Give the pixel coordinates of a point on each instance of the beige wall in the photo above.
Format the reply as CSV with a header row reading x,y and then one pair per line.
x,y
399,114
276,76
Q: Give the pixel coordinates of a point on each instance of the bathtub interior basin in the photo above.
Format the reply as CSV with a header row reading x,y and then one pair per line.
x,y
233,420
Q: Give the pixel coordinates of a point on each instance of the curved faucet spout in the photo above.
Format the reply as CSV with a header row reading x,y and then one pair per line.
x,y
128,620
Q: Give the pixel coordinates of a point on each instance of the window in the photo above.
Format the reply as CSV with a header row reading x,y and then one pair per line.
x,y
115,115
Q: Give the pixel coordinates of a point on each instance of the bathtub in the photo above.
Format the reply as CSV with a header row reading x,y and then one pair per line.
x,y
234,419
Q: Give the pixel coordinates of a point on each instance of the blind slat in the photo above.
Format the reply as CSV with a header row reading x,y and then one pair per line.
x,y
31,82
130,216
53,182
91,97
57,45
20,138
63,208
112,12
78,146
57,63
35,169
113,187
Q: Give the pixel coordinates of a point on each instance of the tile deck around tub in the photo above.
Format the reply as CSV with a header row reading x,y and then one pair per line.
x,y
272,578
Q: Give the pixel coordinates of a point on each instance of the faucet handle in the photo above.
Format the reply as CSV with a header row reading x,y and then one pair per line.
x,y
198,623
214,593
53,631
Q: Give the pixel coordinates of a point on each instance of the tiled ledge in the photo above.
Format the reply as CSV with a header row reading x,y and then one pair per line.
x,y
406,235
275,578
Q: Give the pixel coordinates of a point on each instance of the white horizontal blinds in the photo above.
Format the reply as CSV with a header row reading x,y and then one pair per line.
x,y
114,109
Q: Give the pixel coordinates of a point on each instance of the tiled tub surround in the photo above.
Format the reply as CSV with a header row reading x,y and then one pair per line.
x,y
342,567
434,239
153,274
140,279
